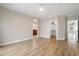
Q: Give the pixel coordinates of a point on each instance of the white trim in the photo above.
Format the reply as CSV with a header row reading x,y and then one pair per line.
x,y
60,38
15,41
45,37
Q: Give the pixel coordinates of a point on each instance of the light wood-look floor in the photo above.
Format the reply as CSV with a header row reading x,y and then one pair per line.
x,y
41,47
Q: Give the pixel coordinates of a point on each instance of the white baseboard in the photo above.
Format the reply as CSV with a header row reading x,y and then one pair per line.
x,y
24,39
44,36
60,38
15,41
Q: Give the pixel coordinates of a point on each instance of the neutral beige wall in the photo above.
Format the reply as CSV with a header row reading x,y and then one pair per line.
x,y
14,26
45,28
61,27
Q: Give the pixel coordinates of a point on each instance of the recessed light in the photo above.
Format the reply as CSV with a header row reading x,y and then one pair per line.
x,y
41,9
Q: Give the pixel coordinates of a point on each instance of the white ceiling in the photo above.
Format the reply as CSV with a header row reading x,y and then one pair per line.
x,y
50,9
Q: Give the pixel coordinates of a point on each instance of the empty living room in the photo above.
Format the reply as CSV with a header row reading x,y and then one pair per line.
x,y
39,29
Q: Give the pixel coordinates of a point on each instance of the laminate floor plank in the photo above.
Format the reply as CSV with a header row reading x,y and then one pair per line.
x,y
41,47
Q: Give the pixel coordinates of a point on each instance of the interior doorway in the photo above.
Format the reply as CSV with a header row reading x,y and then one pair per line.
x,y
53,28
72,30
35,27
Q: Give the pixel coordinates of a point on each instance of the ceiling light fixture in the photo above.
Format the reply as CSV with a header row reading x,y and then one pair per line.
x,y
41,7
